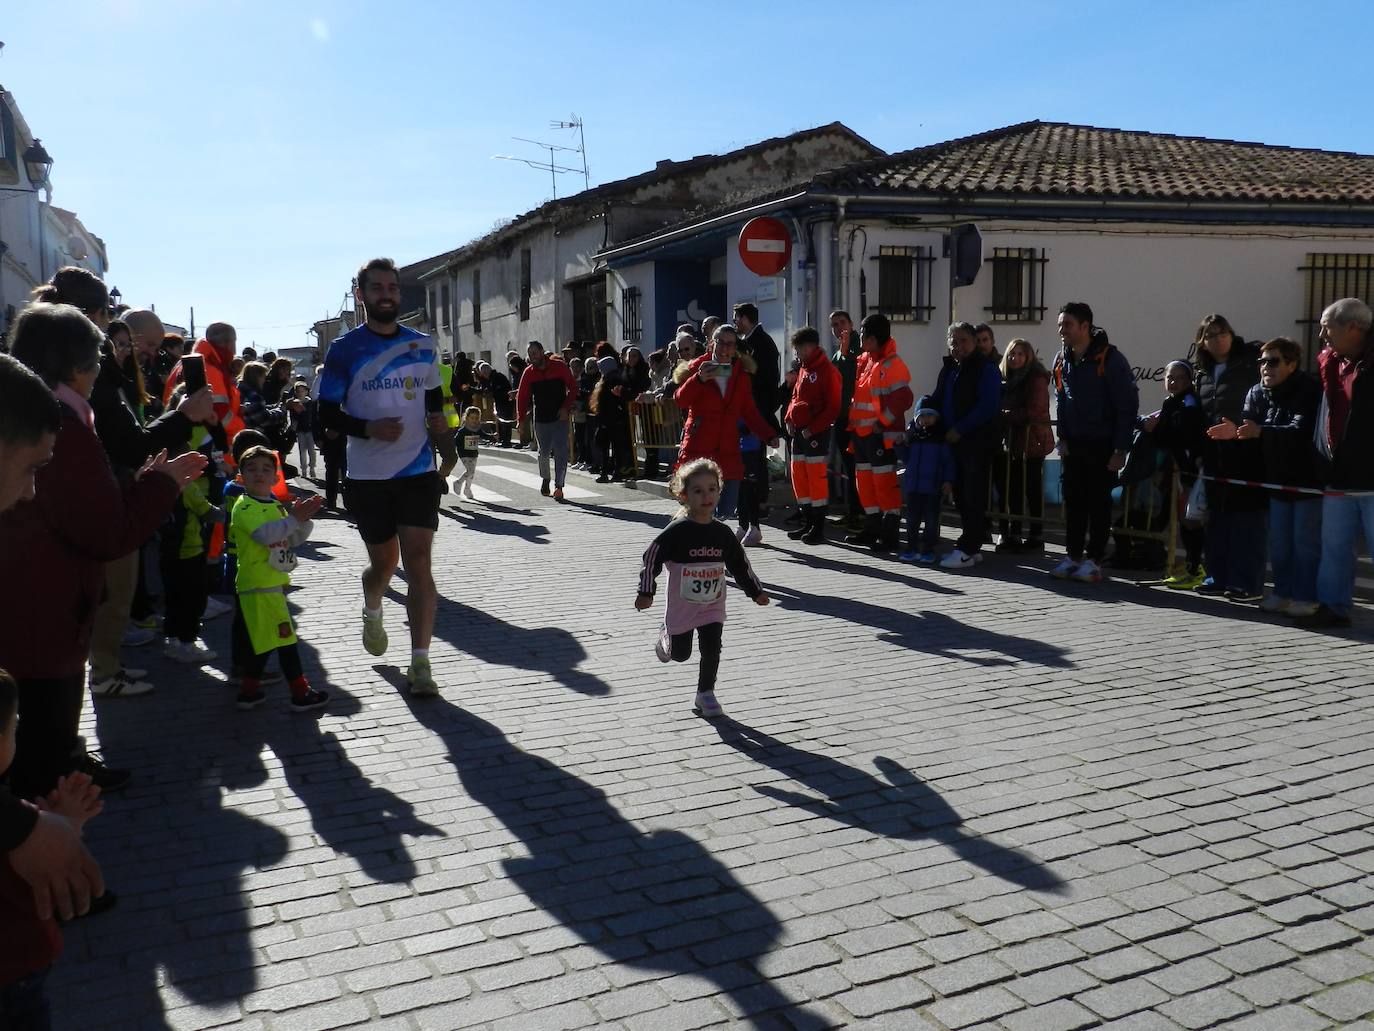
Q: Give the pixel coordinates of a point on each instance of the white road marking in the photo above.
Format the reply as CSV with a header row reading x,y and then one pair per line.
x,y
528,479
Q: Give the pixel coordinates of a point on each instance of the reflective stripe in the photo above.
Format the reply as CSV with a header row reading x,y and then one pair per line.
x,y
812,460
279,589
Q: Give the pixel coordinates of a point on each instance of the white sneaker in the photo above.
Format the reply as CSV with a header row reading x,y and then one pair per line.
x,y
664,646
137,637
1297,609
753,536
740,533
706,705
1066,568
189,652
1274,603
120,686
956,559
214,608
467,492
1088,572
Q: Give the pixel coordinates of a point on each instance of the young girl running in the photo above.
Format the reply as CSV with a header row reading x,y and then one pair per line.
x,y
697,549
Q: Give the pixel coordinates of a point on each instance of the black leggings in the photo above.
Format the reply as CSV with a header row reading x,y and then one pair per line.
x,y
708,637
252,662
186,586
46,738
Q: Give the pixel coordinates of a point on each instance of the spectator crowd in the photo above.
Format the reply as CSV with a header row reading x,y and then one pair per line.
x,y
124,455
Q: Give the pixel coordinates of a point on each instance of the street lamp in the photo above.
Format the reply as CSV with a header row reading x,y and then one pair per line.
x,y
38,163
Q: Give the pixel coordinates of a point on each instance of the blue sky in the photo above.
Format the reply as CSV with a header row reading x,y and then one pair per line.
x,y
244,157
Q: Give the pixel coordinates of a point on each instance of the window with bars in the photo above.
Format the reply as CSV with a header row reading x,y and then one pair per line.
x,y
1328,278
1018,284
632,322
477,300
904,283
525,284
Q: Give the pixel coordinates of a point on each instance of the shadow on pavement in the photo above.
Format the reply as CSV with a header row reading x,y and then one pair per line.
x,y
651,900
931,632
658,520
176,854
902,806
548,649
890,572
481,522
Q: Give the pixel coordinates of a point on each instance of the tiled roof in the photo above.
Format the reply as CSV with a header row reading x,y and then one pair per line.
x,y
1055,159
662,171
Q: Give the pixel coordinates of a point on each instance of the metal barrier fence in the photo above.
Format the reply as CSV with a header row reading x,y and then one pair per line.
x,y
654,424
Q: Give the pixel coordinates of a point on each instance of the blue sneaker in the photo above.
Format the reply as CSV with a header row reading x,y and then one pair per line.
x,y
908,556
926,556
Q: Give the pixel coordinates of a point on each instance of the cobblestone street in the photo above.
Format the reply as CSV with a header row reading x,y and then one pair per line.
x,y
939,801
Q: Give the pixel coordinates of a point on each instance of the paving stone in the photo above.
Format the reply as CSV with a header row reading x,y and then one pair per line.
x,y
1122,963
1204,1009
1345,1003
1273,987
893,994
1060,1015
1123,997
1048,985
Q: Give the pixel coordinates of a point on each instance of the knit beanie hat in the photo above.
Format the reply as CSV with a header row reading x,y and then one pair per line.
x,y
607,365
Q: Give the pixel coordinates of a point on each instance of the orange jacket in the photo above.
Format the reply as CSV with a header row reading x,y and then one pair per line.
x,y
221,383
882,393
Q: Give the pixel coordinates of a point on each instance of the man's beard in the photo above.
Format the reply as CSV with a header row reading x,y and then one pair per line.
x,y
386,316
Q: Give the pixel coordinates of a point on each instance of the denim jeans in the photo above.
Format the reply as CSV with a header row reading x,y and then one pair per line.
x,y
553,438
1235,549
1342,519
922,522
1295,547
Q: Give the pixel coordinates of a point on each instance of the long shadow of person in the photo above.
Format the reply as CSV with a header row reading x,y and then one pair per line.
x,y
653,900
546,649
901,807
931,632
481,522
892,575
658,519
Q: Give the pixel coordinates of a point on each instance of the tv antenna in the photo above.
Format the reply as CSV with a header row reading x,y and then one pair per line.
x,y
552,166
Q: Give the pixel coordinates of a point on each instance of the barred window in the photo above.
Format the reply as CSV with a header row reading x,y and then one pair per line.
x,y
904,283
1018,284
1328,278
632,317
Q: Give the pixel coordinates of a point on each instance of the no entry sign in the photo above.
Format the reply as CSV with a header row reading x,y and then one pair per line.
x,y
765,246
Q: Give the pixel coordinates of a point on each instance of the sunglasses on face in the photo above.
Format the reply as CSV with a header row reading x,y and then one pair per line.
x,y
1269,363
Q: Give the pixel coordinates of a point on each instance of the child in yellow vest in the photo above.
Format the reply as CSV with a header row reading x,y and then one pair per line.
x,y
264,533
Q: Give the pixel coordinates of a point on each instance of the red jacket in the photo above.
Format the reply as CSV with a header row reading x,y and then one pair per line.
x,y
541,389
712,427
53,551
815,403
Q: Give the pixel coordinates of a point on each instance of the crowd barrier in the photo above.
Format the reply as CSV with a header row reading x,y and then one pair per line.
x,y
654,424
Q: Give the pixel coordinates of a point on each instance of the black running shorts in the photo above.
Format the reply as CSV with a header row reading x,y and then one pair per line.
x,y
379,507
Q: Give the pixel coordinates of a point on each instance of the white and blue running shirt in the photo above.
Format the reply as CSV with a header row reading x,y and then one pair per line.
x,y
376,377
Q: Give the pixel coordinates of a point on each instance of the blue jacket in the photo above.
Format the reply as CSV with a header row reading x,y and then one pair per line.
x,y
929,460
968,395
1097,396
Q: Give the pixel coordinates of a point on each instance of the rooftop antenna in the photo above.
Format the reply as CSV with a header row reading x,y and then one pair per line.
x,y
575,122
551,166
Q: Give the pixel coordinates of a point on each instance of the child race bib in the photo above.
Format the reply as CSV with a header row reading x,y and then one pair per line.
x,y
701,585
281,558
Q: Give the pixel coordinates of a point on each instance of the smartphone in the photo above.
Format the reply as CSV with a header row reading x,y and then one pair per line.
x,y
193,372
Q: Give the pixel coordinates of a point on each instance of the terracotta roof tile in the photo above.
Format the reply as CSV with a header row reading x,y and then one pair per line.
x,y
1055,159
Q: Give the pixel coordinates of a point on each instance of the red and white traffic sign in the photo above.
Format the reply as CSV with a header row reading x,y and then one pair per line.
x,y
765,246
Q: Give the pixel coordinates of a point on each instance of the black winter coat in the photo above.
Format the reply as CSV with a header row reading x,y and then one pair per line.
x,y
127,443
1224,398
1287,417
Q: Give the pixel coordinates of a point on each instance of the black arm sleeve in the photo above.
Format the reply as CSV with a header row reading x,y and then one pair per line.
x,y
333,417
16,821
434,401
738,563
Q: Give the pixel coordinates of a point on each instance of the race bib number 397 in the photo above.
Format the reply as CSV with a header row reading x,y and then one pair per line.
x,y
702,584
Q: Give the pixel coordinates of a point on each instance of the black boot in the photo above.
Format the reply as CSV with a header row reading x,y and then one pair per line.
x,y
891,537
807,514
868,536
815,533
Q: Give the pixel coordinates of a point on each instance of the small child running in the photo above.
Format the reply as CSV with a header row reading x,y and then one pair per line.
x,y
265,532
465,439
697,548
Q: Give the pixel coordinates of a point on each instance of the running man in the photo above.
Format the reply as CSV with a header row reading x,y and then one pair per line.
x,y
381,387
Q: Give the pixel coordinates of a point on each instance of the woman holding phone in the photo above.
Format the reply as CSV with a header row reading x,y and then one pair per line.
x,y
716,393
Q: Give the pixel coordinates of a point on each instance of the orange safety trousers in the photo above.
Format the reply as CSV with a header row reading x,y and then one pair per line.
x,y
875,475
810,463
